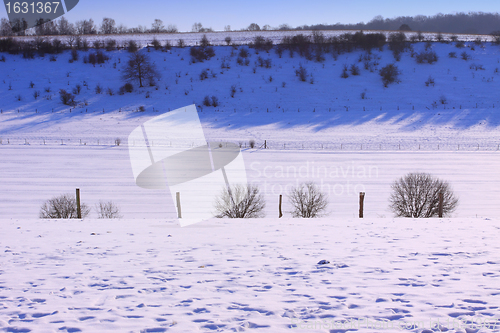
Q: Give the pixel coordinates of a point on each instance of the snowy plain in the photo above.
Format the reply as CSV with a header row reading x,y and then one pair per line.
x,y
144,273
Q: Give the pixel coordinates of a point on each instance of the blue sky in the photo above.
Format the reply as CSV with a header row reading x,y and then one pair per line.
x,y
239,14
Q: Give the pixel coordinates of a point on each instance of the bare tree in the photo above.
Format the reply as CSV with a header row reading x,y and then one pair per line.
x,y
122,29
65,28
417,195
157,26
172,29
197,27
107,210
240,201
108,26
253,27
139,67
5,27
62,207
390,74
307,201
85,27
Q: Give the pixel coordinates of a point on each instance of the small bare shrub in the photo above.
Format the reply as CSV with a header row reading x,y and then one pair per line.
x,y
240,201
390,74
251,143
301,73
354,70
430,81
67,98
107,210
98,89
417,195
307,201
62,207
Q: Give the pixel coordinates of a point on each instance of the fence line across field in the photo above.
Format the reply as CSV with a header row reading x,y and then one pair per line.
x,y
334,145
323,109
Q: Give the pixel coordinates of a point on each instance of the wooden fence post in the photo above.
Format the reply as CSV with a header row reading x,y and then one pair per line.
x,y
178,198
281,214
361,204
78,208
440,204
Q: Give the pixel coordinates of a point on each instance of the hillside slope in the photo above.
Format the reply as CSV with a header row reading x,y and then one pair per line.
x,y
269,103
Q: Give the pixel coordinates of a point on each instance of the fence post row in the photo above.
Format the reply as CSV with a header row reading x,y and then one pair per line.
x,y
178,199
361,204
280,213
440,204
78,208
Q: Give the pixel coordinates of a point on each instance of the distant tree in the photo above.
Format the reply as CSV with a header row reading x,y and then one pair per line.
x,y
157,26
65,28
132,46
5,27
266,27
67,98
253,27
227,40
172,29
496,37
108,26
139,67
390,74
417,195
404,27
122,29
285,27
227,28
203,52
197,27
85,27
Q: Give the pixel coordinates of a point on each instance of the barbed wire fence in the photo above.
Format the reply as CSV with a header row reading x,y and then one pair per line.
x,y
334,145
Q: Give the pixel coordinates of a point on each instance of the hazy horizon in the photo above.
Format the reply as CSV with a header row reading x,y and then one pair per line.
x,y
218,14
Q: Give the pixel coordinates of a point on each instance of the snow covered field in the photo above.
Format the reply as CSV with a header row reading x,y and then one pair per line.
x,y
34,173
145,273
242,37
237,276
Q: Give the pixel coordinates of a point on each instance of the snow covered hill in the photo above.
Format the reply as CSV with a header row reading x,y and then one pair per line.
x,y
269,103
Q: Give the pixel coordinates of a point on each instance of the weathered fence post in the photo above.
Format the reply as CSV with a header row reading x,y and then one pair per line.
x,y
361,204
281,214
78,208
178,198
440,204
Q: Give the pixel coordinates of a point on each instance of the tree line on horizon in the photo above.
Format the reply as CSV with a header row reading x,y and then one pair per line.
x,y
459,23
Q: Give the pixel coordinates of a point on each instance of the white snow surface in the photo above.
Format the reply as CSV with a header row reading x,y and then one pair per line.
x,y
144,273
253,275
